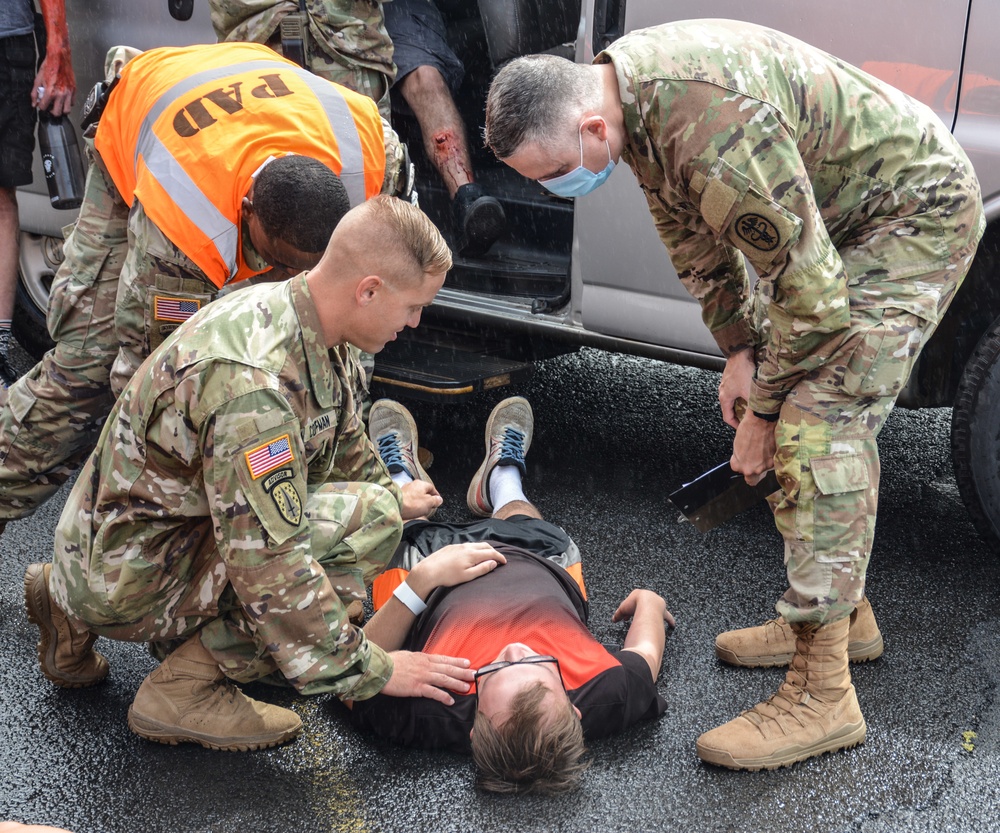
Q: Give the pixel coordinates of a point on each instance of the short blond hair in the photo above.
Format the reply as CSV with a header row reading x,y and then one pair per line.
x,y
387,236
410,234
530,751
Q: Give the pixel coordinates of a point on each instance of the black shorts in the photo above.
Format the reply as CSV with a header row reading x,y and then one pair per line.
x,y
418,39
532,534
17,116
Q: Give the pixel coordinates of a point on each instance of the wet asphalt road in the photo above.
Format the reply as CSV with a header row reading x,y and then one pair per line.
x,y
613,435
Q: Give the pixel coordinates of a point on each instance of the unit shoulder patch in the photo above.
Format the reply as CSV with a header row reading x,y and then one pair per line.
x,y
287,501
763,230
758,232
273,484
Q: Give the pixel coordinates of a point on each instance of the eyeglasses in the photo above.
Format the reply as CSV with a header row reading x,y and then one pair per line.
x,y
497,666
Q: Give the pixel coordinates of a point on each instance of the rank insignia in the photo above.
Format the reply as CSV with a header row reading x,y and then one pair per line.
x,y
268,457
174,309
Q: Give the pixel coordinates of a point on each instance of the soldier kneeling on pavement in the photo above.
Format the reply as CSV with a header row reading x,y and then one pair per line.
x,y
234,506
507,593
210,165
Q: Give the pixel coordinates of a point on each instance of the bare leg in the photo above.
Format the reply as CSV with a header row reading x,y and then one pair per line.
x,y
445,142
9,230
478,217
517,507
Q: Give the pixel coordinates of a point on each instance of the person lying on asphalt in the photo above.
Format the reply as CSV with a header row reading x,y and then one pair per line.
x,y
507,593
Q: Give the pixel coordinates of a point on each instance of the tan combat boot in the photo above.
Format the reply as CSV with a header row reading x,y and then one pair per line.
x,y
189,700
814,711
773,643
65,653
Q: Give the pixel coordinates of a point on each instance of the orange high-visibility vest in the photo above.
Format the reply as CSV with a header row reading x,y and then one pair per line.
x,y
186,129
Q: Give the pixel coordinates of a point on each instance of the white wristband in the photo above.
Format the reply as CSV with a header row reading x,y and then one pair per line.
x,y
413,602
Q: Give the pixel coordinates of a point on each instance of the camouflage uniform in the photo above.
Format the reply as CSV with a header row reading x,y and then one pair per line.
x,y
234,491
52,415
347,44
347,41
100,318
861,215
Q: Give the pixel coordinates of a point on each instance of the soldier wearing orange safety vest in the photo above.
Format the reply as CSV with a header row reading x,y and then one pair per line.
x,y
209,165
187,146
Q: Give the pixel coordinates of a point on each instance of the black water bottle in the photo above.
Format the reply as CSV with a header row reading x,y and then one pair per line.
x,y
61,160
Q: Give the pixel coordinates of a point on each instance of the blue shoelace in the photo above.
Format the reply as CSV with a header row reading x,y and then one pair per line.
x,y
512,445
391,452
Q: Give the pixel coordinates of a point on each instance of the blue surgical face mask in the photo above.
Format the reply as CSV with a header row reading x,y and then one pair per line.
x,y
580,180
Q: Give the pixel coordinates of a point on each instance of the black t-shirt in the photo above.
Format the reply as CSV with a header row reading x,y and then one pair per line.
x,y
529,600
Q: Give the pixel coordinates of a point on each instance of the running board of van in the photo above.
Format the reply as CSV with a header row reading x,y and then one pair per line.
x,y
412,369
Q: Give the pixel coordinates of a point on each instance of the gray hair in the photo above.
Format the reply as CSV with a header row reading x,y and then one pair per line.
x,y
538,98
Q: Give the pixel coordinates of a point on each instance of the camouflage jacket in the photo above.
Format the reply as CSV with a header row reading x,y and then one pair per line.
x,y
749,142
200,478
352,32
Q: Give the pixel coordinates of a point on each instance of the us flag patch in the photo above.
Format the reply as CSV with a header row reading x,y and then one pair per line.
x,y
174,309
267,457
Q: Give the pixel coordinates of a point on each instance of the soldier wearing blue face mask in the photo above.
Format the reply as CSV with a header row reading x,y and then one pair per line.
x,y
747,146
581,180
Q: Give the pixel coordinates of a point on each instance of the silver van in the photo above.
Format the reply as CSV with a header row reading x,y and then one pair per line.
x,y
592,271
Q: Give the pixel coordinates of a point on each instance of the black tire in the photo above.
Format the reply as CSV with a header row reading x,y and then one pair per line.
x,y
975,436
38,261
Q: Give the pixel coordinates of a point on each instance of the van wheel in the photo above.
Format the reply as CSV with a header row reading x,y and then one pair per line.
x,y
975,444
40,256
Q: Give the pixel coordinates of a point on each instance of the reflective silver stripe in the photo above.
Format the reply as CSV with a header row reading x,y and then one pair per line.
x,y
187,84
185,193
338,113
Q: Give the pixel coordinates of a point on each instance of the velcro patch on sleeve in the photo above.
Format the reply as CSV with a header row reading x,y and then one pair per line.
x,y
277,499
271,466
269,456
717,203
287,501
735,207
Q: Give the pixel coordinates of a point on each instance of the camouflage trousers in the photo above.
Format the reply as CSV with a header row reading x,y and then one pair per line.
x,y
368,82
827,459
354,531
53,415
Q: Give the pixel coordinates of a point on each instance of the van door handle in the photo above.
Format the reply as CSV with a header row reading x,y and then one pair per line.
x,y
609,23
180,9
